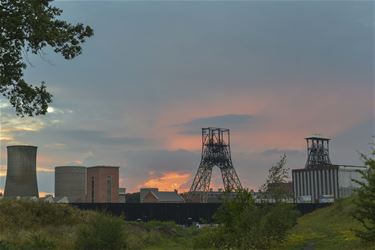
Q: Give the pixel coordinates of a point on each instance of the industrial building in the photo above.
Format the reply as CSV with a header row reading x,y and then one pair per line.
x,y
153,195
70,182
321,181
102,184
21,180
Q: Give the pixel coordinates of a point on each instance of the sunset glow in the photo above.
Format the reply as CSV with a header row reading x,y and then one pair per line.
x,y
169,181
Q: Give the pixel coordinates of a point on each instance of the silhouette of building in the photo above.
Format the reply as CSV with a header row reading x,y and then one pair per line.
x,y
153,195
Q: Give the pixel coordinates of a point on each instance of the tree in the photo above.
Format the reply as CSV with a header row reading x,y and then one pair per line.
x,y
365,200
275,187
243,224
30,26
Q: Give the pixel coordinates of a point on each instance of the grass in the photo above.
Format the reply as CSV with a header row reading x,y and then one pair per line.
x,y
328,228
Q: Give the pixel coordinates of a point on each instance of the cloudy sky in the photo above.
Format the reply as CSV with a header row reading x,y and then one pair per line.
x,y
155,73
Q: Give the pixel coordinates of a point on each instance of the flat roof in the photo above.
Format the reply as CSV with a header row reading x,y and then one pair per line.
x,y
104,167
70,167
29,146
318,137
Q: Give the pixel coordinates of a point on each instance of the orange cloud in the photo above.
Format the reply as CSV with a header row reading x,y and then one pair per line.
x,y
282,117
169,181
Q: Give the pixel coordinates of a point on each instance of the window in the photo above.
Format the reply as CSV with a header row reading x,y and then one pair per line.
x,y
109,188
92,189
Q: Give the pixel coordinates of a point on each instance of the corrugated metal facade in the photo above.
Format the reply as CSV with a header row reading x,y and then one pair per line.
x,y
346,176
322,181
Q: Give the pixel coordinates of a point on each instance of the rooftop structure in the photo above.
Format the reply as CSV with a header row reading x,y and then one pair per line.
x,y
317,152
153,195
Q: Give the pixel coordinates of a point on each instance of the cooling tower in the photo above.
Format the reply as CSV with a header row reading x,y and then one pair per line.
x,y
70,181
21,172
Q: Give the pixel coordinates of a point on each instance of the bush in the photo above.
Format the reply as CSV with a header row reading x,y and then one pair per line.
x,y
102,232
30,214
246,225
38,241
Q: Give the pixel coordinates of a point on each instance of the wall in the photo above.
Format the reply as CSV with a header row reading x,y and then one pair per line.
x,y
315,183
97,190
178,212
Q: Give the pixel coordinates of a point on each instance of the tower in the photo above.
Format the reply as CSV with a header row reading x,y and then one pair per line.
x,y
215,152
21,172
70,182
317,152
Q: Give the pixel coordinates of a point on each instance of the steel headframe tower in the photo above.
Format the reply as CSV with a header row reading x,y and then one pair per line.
x,y
215,152
317,152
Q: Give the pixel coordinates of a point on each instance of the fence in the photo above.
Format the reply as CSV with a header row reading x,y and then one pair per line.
x,y
181,213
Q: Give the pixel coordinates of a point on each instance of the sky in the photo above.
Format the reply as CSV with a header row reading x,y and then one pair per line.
x,y
156,72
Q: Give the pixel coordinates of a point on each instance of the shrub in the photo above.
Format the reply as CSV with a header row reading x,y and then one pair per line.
x,y
246,225
30,214
38,241
102,232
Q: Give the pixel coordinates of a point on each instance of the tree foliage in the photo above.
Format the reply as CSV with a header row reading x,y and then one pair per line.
x,y
274,188
29,26
365,200
243,224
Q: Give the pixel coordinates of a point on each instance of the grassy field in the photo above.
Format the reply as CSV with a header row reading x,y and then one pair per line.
x,y
327,228
37,225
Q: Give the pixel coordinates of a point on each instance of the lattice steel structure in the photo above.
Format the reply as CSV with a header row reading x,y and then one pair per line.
x,y
215,152
317,152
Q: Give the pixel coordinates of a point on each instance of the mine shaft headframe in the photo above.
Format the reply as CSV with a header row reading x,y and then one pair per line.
x,y
317,152
218,135
215,152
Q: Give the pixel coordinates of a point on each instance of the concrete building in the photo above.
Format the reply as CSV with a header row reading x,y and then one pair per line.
x,y
21,177
70,182
102,184
153,195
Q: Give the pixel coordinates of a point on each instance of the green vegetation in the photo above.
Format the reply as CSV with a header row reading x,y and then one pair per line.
x,y
365,210
245,225
332,227
38,225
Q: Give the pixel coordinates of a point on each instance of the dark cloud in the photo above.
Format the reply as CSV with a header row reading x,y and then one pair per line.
x,y
101,137
221,121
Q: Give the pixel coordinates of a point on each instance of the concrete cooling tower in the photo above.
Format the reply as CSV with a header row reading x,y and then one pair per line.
x,y
70,182
21,172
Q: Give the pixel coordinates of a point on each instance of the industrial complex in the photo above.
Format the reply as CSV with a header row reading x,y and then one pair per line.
x,y
319,181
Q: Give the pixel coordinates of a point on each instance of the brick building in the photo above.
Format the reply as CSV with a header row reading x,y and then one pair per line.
x,y
102,184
